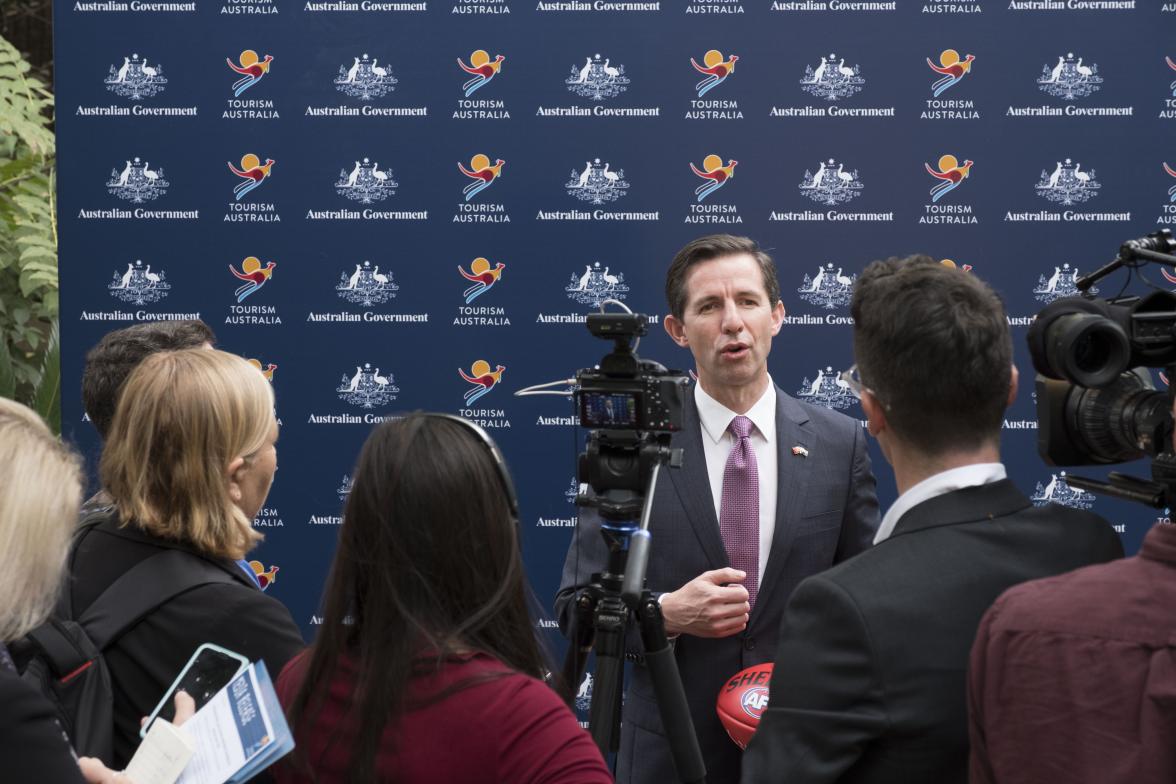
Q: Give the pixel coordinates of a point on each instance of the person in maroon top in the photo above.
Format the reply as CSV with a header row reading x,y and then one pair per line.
x,y
1073,678
427,667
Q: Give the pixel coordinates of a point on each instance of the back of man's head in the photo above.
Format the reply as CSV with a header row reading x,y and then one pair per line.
x,y
932,344
118,353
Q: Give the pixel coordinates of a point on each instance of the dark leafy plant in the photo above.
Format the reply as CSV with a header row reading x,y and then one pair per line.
x,y
30,366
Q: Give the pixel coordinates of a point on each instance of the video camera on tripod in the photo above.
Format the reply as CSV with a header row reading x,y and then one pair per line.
x,y
631,407
1096,402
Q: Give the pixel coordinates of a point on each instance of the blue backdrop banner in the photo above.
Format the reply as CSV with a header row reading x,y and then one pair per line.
x,y
391,206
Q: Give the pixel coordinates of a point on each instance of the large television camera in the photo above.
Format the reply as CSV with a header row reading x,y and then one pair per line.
x,y
1096,400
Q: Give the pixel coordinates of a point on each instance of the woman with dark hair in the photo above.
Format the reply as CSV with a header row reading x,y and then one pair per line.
x,y
427,667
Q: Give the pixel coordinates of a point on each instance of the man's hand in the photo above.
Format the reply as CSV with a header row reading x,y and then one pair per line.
x,y
705,607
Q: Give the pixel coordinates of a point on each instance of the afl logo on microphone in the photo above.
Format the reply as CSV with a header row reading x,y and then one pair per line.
x,y
755,701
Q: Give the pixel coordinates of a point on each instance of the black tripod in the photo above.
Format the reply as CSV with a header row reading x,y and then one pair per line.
x,y
600,621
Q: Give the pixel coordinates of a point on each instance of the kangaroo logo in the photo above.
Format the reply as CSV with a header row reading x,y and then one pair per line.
x,y
135,79
365,79
1067,184
832,79
367,388
139,286
596,80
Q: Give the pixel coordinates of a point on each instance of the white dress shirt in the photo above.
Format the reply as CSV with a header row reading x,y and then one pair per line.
x,y
938,484
717,443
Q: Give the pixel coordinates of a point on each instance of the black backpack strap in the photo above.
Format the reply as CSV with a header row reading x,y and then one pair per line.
x,y
92,517
150,584
64,655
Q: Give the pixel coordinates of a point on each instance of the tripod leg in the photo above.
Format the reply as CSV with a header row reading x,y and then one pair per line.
x,y
581,633
606,702
604,715
667,687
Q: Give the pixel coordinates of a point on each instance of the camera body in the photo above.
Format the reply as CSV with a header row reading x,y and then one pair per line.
x,y
631,407
652,401
626,392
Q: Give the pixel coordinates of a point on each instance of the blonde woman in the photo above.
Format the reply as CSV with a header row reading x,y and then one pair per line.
x,y
188,462
40,489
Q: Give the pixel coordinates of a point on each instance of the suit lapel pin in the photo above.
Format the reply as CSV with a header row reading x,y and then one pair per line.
x,y
800,450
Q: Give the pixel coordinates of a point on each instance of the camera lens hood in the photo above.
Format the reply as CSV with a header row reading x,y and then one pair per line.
x,y
1074,339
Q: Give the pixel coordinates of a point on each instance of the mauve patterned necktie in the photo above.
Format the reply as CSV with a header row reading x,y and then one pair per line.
x,y
739,507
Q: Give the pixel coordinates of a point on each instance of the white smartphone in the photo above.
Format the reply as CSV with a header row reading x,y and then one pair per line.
x,y
208,671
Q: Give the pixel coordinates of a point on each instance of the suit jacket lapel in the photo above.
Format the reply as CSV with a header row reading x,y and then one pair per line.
x,y
692,484
791,477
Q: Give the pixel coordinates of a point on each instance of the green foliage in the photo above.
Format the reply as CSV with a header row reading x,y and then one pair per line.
x,y
30,367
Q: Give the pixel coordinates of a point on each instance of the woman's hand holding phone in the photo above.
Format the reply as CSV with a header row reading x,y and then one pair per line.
x,y
94,772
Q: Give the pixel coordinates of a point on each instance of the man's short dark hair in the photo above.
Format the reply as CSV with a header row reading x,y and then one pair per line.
x,y
118,353
933,345
716,246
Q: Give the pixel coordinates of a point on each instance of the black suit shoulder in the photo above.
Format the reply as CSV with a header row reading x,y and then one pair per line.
x,y
31,743
1082,524
960,535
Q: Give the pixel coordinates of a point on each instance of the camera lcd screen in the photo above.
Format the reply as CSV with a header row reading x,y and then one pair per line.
x,y
598,409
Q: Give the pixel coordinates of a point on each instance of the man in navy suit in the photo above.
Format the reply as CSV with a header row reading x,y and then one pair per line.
x,y
771,490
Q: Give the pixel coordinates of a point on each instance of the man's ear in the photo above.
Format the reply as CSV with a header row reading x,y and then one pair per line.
x,y
875,413
777,317
1013,379
233,477
676,330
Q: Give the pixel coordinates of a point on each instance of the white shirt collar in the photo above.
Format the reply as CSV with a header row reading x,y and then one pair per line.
x,y
716,417
938,484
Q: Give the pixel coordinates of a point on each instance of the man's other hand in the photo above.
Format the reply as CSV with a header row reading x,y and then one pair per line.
x,y
706,607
